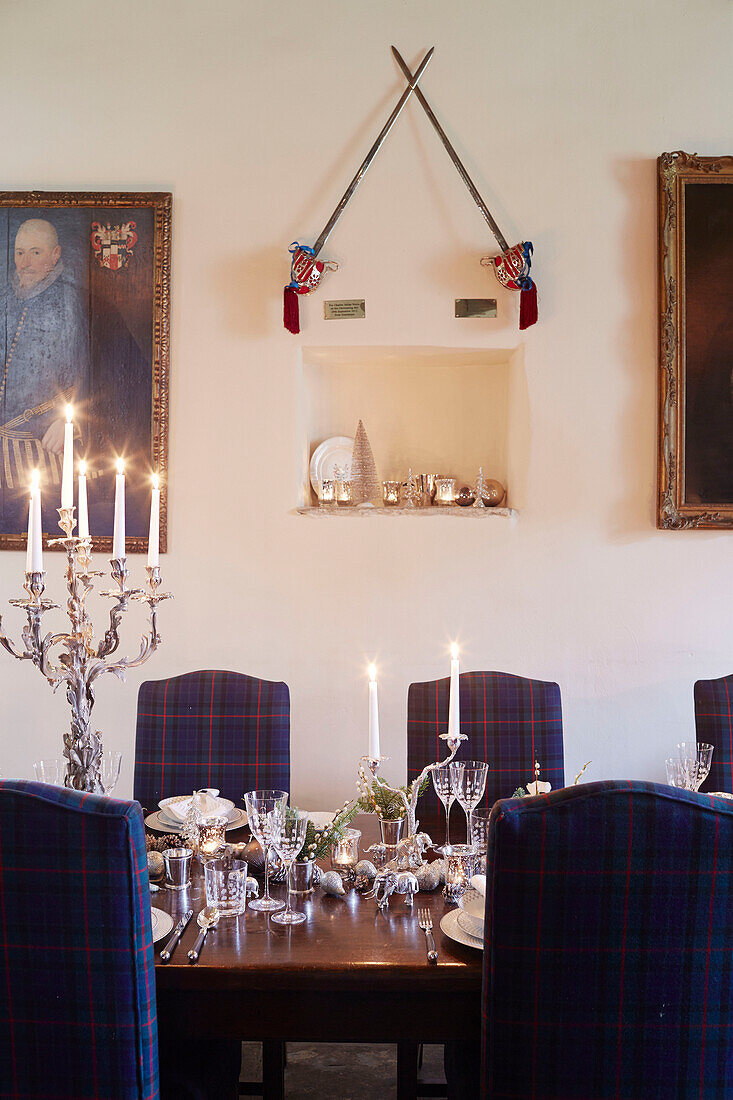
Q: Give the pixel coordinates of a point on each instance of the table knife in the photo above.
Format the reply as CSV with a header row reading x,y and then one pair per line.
x,y
177,933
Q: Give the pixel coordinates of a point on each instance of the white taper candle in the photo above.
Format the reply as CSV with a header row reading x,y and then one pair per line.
x,y
118,539
83,505
67,479
454,706
373,715
154,533
34,552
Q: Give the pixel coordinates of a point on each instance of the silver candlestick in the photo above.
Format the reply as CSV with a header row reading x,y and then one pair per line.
x,y
80,661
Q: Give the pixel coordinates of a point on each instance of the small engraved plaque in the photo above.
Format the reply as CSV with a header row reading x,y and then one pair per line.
x,y
354,310
475,307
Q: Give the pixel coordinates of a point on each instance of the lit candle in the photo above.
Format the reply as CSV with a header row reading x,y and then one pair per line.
x,y
154,533
67,481
118,539
83,507
373,715
454,708
34,550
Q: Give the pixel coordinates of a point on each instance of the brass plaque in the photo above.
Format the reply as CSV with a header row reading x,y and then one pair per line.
x,y
475,307
354,310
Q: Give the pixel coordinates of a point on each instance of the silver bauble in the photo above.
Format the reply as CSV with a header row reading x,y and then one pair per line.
x,y
331,884
366,868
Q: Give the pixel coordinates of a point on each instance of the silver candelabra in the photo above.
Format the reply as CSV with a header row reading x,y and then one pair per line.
x,y
80,661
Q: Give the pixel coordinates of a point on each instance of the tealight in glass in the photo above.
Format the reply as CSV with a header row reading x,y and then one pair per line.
x,y
345,854
445,490
343,491
391,493
328,492
212,836
459,861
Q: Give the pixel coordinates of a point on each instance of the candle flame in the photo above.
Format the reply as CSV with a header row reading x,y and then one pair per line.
x,y
120,465
373,673
69,413
454,651
83,468
35,480
156,481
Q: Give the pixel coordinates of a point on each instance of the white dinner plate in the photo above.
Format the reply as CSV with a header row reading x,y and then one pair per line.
x,y
161,824
167,807
336,451
449,924
162,924
471,925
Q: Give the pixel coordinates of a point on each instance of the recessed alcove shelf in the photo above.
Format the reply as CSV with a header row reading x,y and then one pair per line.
x,y
437,410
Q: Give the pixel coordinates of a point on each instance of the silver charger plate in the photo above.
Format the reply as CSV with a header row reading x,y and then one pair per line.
x,y
162,924
161,825
452,929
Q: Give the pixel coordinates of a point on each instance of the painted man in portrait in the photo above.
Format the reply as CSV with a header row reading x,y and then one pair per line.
x,y
46,362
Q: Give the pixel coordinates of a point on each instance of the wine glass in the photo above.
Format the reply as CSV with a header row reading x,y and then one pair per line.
x,y
468,779
695,758
50,770
288,843
109,770
265,811
675,772
444,790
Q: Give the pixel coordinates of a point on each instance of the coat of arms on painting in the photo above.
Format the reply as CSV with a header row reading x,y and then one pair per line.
x,y
113,244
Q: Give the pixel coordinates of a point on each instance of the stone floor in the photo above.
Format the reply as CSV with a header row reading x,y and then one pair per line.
x,y
341,1071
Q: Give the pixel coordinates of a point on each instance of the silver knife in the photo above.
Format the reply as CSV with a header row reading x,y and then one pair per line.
x,y
177,933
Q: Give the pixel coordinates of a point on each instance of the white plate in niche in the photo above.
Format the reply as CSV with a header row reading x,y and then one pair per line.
x,y
336,451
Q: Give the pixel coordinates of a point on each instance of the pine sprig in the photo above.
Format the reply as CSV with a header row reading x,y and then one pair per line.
x,y
377,798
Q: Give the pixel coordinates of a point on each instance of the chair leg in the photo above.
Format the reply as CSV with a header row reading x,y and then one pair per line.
x,y
273,1070
407,1054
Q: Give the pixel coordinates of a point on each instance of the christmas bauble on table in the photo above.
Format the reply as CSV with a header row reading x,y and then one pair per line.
x,y
494,493
464,496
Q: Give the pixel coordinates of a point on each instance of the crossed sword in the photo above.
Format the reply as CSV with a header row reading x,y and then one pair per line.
x,y
412,86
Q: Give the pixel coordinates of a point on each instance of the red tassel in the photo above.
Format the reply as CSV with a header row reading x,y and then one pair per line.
x,y
291,313
528,306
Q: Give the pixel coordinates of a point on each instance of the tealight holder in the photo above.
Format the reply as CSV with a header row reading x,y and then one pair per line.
x,y
328,493
391,493
445,490
345,854
343,491
211,837
459,860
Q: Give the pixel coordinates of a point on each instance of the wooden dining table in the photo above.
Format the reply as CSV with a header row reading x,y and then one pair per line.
x,y
349,973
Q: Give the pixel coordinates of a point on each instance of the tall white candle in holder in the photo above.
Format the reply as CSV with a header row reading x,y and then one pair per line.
x,y
34,551
118,538
154,532
83,506
454,706
67,479
373,715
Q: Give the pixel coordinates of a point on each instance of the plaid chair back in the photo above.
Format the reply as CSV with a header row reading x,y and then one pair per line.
x,y
609,924
714,725
510,722
77,994
211,729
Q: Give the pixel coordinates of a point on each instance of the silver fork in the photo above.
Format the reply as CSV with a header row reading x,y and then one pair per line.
x,y
426,923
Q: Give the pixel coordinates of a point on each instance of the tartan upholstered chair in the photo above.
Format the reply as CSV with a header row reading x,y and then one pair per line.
x,y
510,722
77,995
211,729
714,725
609,931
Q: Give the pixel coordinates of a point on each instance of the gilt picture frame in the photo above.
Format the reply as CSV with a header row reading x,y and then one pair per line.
x,y
695,429
85,320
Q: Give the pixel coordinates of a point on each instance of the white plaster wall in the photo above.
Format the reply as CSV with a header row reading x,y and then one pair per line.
x,y
255,116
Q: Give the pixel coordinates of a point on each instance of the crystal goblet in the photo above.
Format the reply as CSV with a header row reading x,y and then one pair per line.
x,y
695,758
109,770
289,844
468,779
265,811
50,770
444,789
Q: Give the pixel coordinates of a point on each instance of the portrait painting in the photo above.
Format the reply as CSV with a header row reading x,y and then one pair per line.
x,y
84,322
696,341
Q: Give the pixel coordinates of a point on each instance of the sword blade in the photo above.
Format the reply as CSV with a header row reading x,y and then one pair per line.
x,y
373,151
500,239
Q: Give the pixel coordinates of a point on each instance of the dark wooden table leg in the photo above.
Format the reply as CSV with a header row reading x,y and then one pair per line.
x,y
407,1071
273,1070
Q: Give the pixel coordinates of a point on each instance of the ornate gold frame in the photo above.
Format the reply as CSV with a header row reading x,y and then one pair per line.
x,y
161,203
675,171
